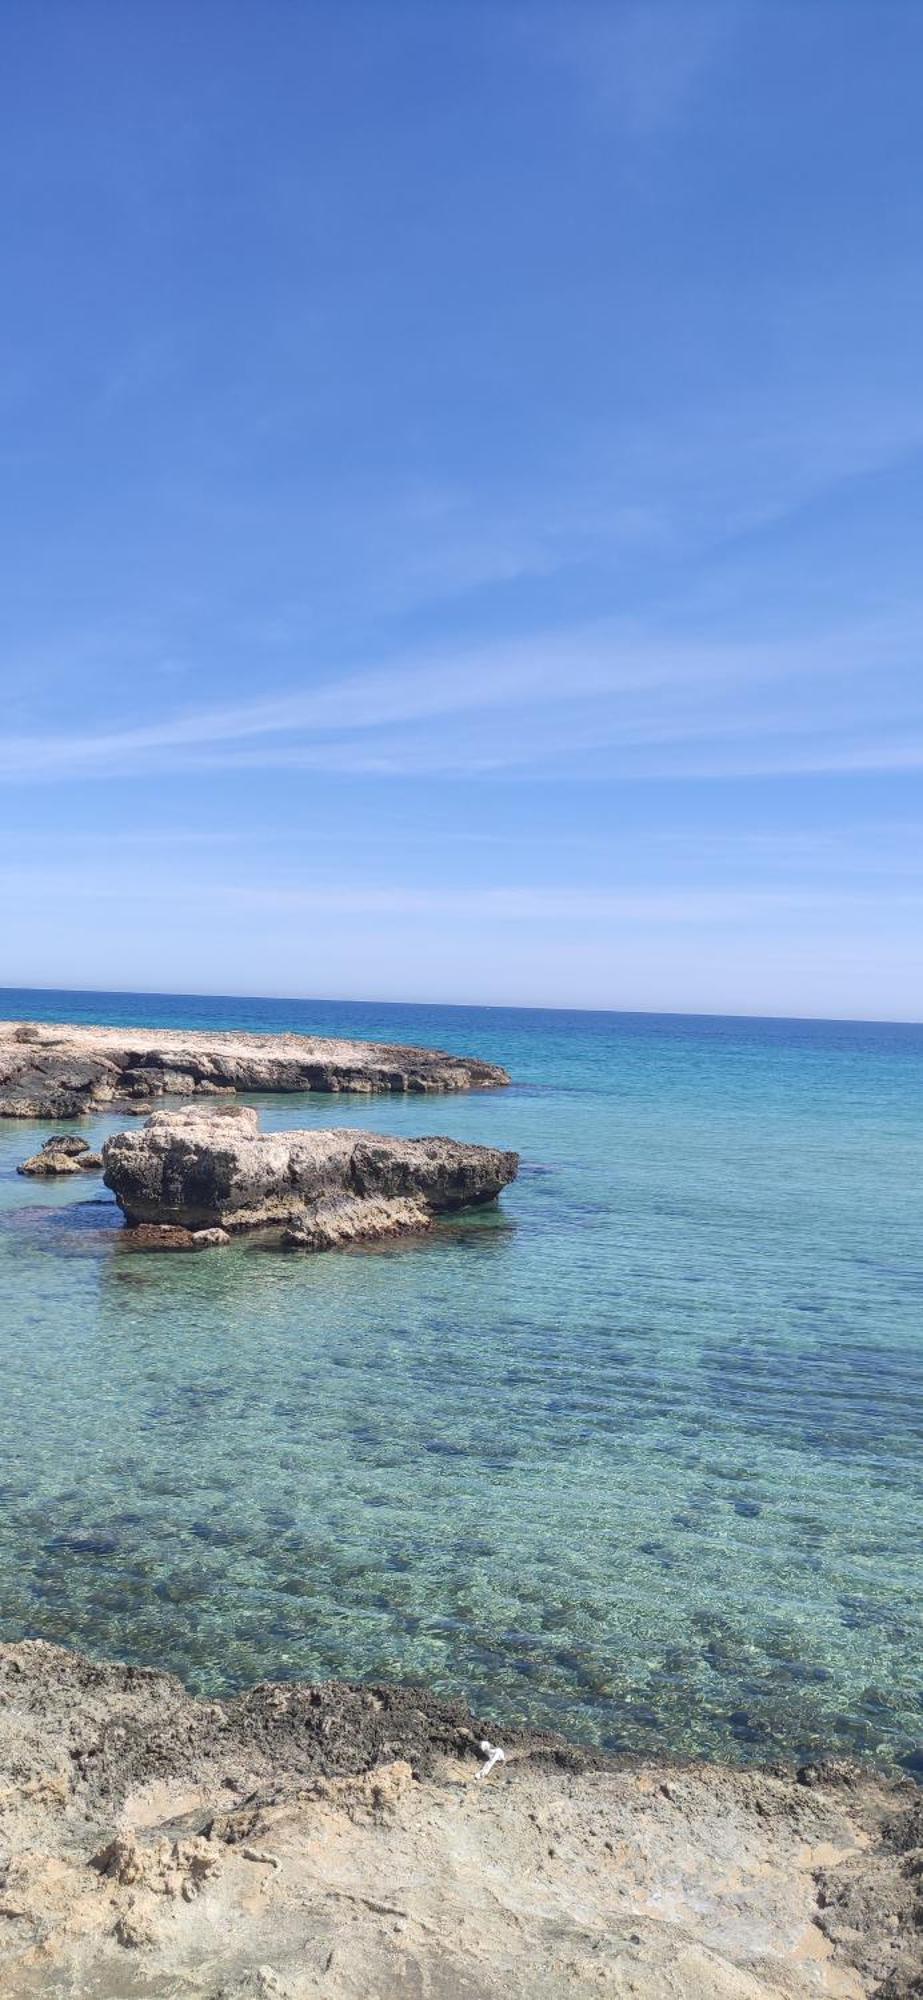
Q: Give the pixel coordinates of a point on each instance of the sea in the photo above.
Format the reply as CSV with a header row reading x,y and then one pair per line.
x,y
636,1455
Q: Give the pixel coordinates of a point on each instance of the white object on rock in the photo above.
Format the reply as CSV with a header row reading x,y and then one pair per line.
x,y
494,1755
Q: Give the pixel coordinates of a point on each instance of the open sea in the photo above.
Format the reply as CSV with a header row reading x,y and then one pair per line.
x,y
637,1456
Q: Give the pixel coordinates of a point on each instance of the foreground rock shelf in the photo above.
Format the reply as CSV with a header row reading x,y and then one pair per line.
x,y
339,1841
212,1169
52,1071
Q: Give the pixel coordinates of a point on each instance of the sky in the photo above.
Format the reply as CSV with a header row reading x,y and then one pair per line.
x,y
461,475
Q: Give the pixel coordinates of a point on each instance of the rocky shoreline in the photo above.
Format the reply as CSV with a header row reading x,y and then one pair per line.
x,y
343,1841
62,1071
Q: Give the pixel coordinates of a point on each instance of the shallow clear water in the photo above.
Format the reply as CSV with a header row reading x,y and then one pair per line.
x,y
637,1456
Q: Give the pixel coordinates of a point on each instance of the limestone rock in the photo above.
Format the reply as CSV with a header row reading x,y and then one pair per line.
x,y
63,1071
66,1142
337,1840
63,1153
201,1169
345,1221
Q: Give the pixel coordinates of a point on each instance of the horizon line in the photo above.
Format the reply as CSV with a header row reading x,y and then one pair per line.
x,y
469,1006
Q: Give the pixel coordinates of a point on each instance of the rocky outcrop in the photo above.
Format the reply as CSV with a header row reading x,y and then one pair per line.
x,y
63,1072
342,1841
62,1154
201,1168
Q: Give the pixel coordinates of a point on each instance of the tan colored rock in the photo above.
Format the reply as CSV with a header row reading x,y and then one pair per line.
x,y
355,1220
63,1153
49,1166
337,1843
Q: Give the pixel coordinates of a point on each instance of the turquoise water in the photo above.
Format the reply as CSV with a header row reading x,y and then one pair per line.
x,y
637,1456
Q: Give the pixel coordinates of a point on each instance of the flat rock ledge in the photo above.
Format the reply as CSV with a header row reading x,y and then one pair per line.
x,y
65,1072
199,1169
340,1841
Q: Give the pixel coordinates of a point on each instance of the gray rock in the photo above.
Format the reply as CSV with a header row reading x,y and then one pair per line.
x,y
63,1071
212,1168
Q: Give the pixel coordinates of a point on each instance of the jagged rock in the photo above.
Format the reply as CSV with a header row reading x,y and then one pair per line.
x,y
202,1169
63,1072
62,1154
210,1239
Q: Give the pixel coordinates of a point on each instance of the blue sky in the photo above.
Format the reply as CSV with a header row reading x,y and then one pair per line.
x,y
460,515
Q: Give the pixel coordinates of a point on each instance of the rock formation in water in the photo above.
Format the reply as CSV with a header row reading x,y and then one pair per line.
x,y
339,1842
63,1072
63,1153
203,1168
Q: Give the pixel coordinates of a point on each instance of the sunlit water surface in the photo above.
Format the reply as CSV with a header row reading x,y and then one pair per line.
x,y
637,1455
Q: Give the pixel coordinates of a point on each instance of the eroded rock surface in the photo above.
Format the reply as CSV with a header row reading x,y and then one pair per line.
x,y
338,1841
202,1169
62,1072
62,1154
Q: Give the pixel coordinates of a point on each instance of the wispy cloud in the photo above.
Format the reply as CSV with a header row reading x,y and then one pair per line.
x,y
570,905
840,700
697,906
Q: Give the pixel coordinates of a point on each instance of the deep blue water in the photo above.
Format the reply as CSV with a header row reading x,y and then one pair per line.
x,y
637,1456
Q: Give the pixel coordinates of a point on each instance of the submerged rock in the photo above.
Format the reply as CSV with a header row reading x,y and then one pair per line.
x,y
62,1154
160,1236
169,1236
201,1169
63,1071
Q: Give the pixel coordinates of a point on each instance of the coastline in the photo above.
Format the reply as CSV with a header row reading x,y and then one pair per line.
x,y
342,1840
64,1070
